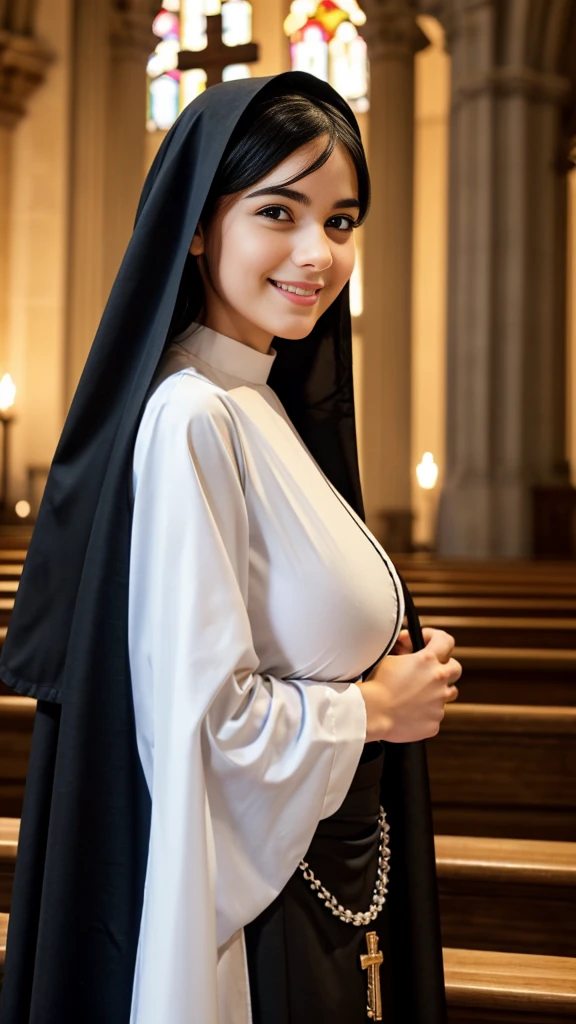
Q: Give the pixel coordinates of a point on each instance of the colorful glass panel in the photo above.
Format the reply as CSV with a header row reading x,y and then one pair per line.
x,y
181,24
324,40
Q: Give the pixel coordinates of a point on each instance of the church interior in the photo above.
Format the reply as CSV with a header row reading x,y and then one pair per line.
x,y
463,303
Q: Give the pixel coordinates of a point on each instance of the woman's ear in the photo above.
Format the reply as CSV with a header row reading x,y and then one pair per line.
x,y
197,247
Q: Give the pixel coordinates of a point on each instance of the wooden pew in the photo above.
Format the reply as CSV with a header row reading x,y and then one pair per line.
x,y
482,573
494,568
500,988
514,895
16,721
9,829
503,607
504,771
488,987
496,770
11,570
509,675
3,931
491,588
512,631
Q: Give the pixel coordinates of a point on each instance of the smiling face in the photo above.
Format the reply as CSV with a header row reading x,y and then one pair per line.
x,y
302,233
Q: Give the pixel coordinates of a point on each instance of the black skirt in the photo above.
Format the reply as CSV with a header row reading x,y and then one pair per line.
x,y
303,961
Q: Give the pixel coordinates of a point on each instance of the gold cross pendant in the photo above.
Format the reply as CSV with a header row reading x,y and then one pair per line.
x,y
371,962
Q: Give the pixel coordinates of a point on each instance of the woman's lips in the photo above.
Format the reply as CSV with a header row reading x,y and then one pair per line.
x,y
300,300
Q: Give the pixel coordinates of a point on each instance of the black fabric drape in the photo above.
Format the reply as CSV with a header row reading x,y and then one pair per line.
x,y
80,870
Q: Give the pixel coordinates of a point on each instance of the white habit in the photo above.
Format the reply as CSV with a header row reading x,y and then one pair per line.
x,y
257,596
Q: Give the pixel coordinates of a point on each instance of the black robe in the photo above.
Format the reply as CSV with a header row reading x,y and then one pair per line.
x,y
83,845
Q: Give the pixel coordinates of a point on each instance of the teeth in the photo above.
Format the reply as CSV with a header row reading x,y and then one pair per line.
x,y
291,288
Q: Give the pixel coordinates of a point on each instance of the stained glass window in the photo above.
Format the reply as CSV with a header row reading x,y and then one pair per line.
x,y
181,25
324,40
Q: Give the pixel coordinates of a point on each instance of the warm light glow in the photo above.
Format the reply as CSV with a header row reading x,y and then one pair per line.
x,y
324,41
7,393
234,71
306,8
294,22
165,24
237,23
192,83
427,472
164,58
356,299
22,509
346,31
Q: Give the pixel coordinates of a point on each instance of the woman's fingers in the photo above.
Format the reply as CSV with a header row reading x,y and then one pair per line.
x,y
440,644
403,644
452,694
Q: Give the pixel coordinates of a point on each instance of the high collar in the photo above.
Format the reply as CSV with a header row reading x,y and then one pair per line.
x,y
224,353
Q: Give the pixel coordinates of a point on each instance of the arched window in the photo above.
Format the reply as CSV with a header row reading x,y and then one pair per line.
x,y
162,68
181,25
324,40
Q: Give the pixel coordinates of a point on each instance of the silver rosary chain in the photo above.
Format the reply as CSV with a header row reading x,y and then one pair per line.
x,y
380,889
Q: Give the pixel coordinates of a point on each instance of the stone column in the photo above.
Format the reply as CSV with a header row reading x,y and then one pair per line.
x,y
87,217
507,283
131,43
23,66
112,43
393,37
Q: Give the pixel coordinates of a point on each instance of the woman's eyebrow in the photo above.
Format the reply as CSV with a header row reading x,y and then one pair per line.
x,y
298,197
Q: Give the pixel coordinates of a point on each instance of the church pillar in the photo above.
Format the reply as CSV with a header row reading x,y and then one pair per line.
x,y
23,65
506,407
131,43
393,37
112,42
89,131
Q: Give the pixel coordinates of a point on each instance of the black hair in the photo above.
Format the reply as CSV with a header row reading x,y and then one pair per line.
x,y
270,130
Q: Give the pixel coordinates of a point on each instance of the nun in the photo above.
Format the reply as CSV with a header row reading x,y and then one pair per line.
x,y
227,814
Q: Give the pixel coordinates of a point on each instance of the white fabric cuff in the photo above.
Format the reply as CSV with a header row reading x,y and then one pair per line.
x,y
349,723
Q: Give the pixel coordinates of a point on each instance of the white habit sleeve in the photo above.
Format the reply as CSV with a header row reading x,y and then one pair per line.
x,y
240,766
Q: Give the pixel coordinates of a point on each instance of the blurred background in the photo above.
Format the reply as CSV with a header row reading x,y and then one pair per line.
x,y
462,295
464,330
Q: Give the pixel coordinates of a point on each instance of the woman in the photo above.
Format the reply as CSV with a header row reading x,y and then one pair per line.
x,y
200,723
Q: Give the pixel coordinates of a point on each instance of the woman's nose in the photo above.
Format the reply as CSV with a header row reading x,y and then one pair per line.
x,y
313,249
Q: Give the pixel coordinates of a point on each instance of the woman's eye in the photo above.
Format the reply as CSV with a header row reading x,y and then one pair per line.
x,y
348,221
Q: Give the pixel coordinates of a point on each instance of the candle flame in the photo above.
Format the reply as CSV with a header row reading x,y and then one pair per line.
x,y
7,393
427,472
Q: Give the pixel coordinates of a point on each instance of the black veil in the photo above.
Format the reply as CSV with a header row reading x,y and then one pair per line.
x,y
83,844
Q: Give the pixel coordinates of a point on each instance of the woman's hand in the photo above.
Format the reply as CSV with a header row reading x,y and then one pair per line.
x,y
403,644
405,696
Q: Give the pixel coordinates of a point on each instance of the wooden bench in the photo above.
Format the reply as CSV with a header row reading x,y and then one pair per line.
x,y
9,829
16,722
504,607
514,895
513,631
3,932
513,675
479,568
504,771
487,573
489,987
498,988
490,588
10,570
